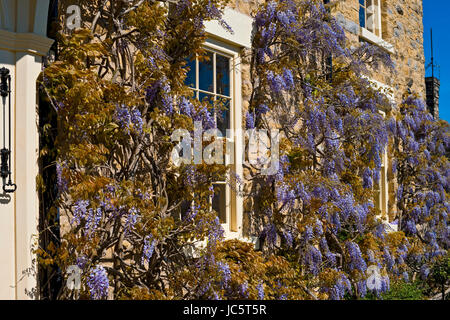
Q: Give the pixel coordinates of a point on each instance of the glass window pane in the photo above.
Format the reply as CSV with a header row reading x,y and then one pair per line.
x,y
223,75
223,115
204,97
206,73
190,78
185,208
219,201
362,16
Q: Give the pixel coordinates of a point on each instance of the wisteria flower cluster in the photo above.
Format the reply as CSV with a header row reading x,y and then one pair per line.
x,y
98,283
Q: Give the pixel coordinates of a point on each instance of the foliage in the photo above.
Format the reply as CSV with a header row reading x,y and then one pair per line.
x,y
440,275
419,145
117,88
401,290
144,228
320,207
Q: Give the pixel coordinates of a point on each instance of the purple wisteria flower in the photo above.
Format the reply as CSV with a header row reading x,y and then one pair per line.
x,y
356,260
262,109
212,12
159,92
313,259
341,287
405,276
225,272
380,231
424,271
260,289
249,120
131,219
93,219
288,237
362,288
98,283
367,179
243,289
80,211
278,83
389,261
410,227
186,107
288,79
62,183
129,120
215,232
149,248
81,261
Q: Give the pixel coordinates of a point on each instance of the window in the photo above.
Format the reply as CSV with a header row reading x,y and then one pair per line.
x,y
211,80
381,187
219,201
370,16
214,79
381,190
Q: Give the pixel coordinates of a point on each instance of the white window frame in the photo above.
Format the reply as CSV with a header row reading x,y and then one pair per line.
x,y
383,206
232,43
234,202
372,16
384,187
383,192
372,31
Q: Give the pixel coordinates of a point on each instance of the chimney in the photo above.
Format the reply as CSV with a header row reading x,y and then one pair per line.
x,y
432,86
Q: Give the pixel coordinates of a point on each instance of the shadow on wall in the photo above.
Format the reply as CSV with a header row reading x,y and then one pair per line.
x,y
5,198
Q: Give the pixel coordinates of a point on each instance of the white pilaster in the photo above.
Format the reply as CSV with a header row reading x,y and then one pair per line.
x,y
7,212
26,152
23,24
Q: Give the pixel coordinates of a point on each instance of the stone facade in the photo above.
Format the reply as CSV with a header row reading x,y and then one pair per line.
x,y
401,35
402,27
401,30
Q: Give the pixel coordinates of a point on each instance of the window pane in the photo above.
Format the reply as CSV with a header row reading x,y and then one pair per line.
x,y
185,208
383,191
204,97
206,73
223,75
219,201
362,17
223,116
190,78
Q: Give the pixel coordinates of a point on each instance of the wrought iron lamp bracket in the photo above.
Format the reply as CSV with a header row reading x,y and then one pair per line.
x,y
5,153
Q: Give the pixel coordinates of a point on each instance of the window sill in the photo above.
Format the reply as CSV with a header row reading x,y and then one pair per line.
x,y
388,91
374,39
388,226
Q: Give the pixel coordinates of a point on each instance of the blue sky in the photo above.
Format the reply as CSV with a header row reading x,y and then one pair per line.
x,y
436,16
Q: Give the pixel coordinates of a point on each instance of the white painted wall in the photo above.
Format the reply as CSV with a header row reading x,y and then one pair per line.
x,y
23,24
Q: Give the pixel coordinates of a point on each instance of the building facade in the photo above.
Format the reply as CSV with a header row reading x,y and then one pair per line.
x,y
395,25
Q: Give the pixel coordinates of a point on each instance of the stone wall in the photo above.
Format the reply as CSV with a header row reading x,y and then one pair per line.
x,y
245,6
402,27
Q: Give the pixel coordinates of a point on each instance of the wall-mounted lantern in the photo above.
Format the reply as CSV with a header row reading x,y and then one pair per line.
x,y
5,153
